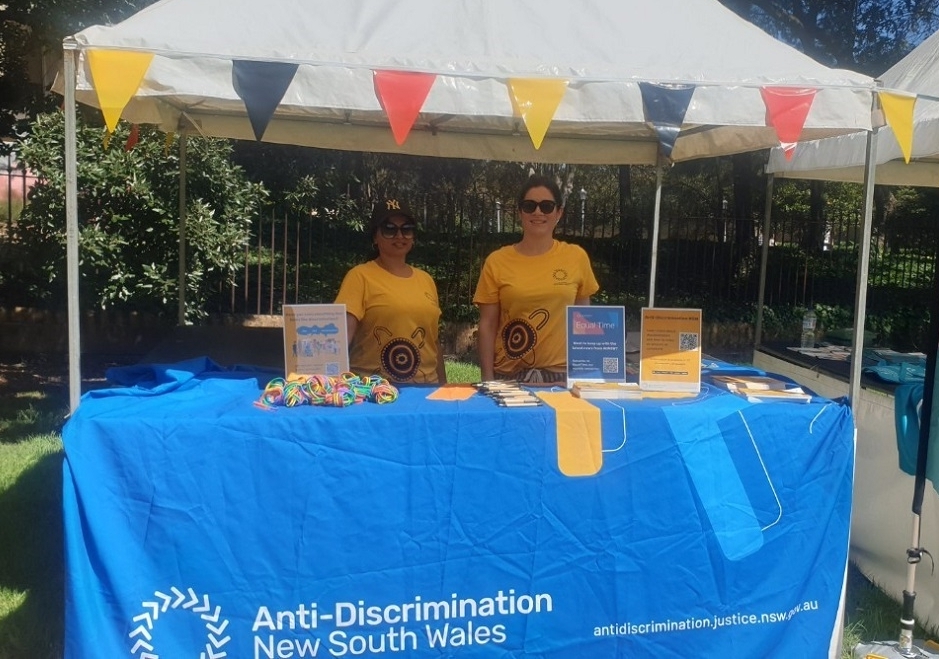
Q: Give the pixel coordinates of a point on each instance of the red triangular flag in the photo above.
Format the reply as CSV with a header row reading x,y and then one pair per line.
x,y
402,95
133,138
786,110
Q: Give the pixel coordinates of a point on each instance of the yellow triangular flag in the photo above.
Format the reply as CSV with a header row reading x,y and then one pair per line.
x,y
537,101
116,75
898,111
516,111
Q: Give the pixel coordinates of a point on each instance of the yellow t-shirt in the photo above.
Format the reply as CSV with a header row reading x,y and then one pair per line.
x,y
398,323
533,293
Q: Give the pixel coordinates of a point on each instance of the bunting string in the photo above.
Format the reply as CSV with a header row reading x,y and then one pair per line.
x,y
118,75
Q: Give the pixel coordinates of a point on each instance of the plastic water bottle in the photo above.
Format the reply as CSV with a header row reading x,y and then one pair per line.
x,y
808,329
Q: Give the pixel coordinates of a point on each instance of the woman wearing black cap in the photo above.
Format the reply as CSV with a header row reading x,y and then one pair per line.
x,y
392,309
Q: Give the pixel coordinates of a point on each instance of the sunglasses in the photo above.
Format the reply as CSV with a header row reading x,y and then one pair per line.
x,y
390,230
546,206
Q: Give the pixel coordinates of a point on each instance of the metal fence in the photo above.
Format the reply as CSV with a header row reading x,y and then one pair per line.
x,y
714,259
702,259
15,183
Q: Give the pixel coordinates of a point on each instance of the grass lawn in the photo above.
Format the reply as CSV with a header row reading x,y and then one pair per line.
x,y
32,570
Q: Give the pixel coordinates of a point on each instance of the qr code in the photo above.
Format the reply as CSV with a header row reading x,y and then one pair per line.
x,y
332,368
687,341
611,364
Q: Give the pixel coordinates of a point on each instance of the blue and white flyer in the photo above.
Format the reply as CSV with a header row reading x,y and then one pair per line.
x,y
596,344
315,340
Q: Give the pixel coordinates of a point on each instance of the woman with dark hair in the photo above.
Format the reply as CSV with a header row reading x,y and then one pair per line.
x,y
524,290
392,311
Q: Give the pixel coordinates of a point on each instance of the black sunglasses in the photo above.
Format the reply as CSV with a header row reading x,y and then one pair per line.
x,y
546,206
390,230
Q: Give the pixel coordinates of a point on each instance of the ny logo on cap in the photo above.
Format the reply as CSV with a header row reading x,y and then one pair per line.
x,y
393,205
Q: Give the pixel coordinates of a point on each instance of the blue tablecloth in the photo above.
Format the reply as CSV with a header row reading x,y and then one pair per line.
x,y
199,525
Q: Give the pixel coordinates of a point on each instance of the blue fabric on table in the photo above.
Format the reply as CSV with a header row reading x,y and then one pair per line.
x,y
197,521
712,366
717,481
154,379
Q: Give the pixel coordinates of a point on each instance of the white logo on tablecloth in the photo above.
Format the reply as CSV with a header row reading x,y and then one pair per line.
x,y
215,625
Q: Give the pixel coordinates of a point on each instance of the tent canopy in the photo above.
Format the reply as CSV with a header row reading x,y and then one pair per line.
x,y
877,159
842,158
845,159
592,82
602,49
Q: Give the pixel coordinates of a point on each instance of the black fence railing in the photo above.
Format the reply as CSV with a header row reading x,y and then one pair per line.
x,y
15,183
295,259
701,259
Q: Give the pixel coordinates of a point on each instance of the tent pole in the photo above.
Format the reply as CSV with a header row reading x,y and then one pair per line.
x,y
864,252
907,618
764,257
181,313
926,422
70,57
653,259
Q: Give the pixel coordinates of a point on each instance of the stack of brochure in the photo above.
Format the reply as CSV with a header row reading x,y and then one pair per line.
x,y
791,395
762,388
750,382
611,390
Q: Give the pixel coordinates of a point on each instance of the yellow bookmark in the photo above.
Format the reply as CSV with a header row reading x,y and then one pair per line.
x,y
579,435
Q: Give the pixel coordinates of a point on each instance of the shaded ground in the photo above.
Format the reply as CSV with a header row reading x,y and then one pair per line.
x,y
30,372
226,345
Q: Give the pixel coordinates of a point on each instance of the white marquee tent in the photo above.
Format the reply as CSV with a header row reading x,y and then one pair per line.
x,y
486,59
879,537
603,48
876,158
843,159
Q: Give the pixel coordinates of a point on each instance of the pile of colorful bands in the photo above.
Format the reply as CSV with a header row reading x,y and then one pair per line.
x,y
342,391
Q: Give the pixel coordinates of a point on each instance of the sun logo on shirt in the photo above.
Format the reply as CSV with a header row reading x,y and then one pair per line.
x,y
519,336
560,274
400,357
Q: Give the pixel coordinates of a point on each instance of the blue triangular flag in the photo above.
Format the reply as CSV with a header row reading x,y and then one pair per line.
x,y
665,107
261,85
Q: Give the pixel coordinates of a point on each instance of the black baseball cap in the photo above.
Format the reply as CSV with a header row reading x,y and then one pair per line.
x,y
387,208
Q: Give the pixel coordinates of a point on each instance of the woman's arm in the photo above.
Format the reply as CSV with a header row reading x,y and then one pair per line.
x,y
352,324
486,339
441,368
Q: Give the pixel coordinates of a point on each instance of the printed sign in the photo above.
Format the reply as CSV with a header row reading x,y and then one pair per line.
x,y
671,350
596,344
315,339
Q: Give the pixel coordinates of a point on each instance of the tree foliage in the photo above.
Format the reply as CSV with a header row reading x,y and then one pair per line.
x,y
128,213
31,33
864,35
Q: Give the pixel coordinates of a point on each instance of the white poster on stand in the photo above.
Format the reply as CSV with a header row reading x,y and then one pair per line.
x,y
315,339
